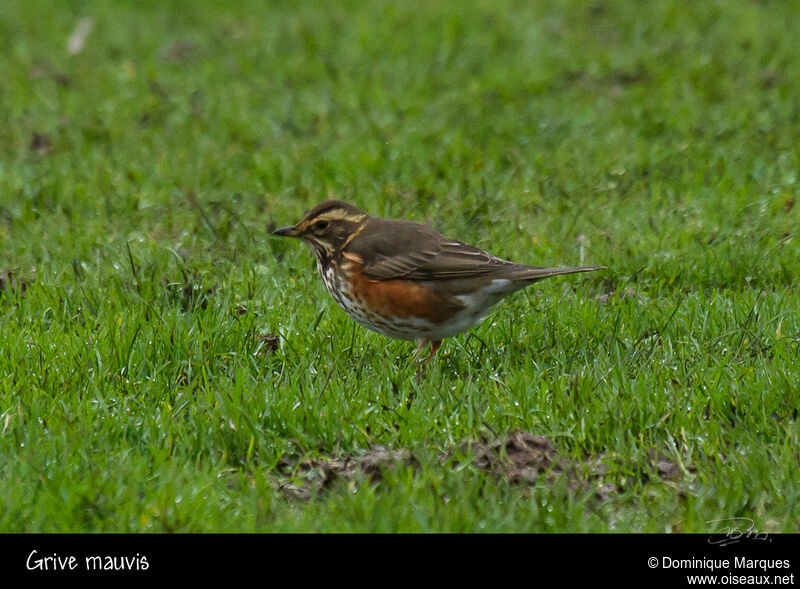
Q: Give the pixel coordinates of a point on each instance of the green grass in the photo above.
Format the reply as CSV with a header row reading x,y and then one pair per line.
x,y
138,180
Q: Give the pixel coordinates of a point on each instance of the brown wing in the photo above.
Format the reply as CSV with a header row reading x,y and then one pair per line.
x,y
395,248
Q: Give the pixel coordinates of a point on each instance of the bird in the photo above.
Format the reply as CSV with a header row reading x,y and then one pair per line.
x,y
404,279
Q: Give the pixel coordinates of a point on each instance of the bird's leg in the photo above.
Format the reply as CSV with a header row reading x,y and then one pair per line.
x,y
421,343
434,348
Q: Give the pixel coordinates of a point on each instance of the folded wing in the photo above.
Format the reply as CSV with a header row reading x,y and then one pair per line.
x,y
403,249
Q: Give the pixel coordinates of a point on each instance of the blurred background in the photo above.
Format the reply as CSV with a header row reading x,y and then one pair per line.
x,y
659,128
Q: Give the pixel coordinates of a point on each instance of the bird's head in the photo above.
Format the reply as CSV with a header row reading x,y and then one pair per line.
x,y
327,227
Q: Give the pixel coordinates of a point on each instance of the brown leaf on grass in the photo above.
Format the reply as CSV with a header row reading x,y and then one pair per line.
x,y
269,343
40,143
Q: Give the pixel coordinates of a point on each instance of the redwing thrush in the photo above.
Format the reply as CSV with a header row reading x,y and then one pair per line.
x,y
405,280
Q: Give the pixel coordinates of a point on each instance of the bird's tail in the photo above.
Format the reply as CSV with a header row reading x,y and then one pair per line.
x,y
532,274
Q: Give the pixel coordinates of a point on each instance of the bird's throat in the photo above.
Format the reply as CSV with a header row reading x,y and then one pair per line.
x,y
324,254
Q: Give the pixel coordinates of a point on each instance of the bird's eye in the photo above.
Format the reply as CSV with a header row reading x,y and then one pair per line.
x,y
321,225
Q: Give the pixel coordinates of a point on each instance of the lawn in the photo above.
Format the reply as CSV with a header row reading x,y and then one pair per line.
x,y
166,365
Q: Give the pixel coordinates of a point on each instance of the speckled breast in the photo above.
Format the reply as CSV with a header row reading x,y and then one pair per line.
x,y
336,281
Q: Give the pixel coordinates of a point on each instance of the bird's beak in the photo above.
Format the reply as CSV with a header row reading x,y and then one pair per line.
x,y
289,231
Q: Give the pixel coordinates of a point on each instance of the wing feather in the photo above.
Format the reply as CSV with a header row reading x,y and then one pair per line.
x,y
397,248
